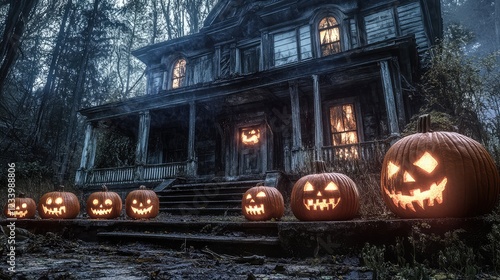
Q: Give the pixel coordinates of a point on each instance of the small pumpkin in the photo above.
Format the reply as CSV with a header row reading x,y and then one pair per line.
x,y
58,205
21,208
104,204
438,174
262,203
324,196
142,204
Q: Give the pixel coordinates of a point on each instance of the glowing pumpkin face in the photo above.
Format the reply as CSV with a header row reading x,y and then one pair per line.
x,y
434,174
104,204
21,208
262,203
58,205
250,136
324,196
142,204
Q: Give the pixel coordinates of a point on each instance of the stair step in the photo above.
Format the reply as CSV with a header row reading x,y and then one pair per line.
x,y
201,211
204,190
197,202
230,183
192,238
200,196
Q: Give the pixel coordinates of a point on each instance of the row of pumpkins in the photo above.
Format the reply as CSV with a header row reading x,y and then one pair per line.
x,y
424,175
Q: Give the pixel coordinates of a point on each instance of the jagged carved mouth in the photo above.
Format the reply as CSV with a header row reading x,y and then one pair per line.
x,y
101,212
18,214
423,199
54,211
321,204
143,211
255,210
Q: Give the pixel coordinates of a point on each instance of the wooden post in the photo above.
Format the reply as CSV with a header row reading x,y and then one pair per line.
x,y
318,123
141,151
296,162
88,154
191,166
390,104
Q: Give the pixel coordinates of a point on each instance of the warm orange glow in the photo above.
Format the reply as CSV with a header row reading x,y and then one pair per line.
x,y
392,169
308,187
261,194
250,137
427,163
331,187
179,73
407,178
434,194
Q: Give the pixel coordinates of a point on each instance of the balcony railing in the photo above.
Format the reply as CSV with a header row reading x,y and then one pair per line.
x,y
130,174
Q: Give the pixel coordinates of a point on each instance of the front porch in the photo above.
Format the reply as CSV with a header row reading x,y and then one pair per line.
x,y
345,158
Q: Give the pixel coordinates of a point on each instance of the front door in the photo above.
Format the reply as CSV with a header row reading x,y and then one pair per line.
x,y
252,150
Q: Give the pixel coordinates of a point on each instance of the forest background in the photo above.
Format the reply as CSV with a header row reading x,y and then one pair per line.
x,y
58,56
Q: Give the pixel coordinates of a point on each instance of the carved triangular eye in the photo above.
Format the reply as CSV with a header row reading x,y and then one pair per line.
x,y
249,196
308,187
392,169
427,163
261,194
331,187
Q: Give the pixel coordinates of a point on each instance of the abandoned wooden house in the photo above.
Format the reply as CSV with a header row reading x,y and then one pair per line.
x,y
264,88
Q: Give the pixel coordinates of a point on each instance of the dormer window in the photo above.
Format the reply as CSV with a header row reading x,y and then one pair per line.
x,y
329,36
179,73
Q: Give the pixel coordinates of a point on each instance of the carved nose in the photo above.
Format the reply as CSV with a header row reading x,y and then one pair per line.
x,y
319,194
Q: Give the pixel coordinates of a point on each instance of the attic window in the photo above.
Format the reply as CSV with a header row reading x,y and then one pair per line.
x,y
329,36
179,73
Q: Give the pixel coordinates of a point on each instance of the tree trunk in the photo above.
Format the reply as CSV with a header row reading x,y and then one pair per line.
x,y
77,97
51,76
15,24
497,23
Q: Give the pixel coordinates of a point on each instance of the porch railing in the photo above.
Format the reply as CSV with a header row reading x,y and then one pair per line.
x,y
345,158
130,174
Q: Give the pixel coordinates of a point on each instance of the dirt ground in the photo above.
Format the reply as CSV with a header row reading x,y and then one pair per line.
x,y
51,257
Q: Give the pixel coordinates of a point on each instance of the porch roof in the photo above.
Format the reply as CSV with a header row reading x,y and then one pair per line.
x,y
364,58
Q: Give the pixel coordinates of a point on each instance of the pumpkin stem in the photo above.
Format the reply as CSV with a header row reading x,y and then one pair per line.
x,y
319,166
104,188
142,187
21,195
424,124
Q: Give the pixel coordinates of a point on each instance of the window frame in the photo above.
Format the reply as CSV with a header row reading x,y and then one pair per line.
x,y
298,47
318,33
357,113
183,81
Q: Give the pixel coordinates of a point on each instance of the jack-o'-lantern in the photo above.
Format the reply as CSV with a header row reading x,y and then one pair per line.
x,y
324,196
262,203
22,208
58,205
142,204
438,174
104,204
250,136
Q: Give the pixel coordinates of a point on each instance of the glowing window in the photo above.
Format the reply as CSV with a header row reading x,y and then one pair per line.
x,y
329,36
344,130
179,73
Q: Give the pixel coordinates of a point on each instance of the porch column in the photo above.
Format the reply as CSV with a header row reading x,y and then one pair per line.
x,y
141,151
296,157
318,123
88,154
192,164
390,103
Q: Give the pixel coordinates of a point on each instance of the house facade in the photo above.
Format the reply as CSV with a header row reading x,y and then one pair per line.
x,y
265,86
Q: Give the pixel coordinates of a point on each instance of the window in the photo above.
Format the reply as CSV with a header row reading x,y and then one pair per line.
x,y
292,46
343,128
179,73
250,59
329,36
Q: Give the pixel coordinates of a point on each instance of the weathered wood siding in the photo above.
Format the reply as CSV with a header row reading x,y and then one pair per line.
x,y
411,22
354,33
380,26
201,70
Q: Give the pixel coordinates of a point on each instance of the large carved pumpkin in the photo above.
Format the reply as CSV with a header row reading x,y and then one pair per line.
x,y
142,204
262,203
438,174
58,205
324,196
22,208
104,204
